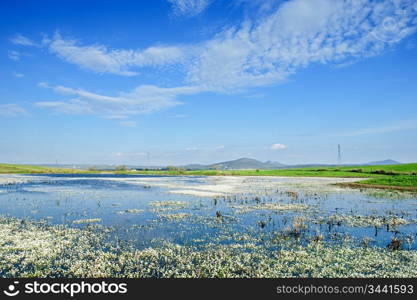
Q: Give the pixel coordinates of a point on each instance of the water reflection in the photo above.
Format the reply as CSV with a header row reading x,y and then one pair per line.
x,y
148,210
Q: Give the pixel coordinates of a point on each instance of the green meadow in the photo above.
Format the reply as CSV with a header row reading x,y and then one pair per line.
x,y
402,176
32,169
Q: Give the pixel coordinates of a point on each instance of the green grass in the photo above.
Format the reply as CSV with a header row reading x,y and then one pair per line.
x,y
403,168
401,180
283,172
355,171
29,169
392,176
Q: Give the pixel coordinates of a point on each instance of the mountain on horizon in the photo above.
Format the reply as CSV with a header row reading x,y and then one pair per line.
x,y
383,162
250,163
238,164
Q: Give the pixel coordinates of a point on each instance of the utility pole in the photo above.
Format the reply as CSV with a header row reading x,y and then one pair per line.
x,y
339,155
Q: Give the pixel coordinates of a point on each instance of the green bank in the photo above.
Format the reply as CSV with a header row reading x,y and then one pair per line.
x,y
32,169
400,177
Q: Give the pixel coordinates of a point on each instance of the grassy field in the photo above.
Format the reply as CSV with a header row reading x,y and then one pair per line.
x,y
402,177
353,171
29,169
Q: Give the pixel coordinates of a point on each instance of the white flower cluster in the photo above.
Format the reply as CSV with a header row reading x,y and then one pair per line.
x,y
363,221
30,248
269,206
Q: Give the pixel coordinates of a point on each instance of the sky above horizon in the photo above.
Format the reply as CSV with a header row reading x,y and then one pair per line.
x,y
169,82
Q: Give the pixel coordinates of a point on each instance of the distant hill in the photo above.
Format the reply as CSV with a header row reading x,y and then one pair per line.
x,y
250,163
383,162
195,167
238,164
243,163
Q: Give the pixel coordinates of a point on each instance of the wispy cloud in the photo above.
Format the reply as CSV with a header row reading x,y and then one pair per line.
x,y
296,35
14,55
128,123
17,55
12,110
179,116
18,75
192,149
130,154
262,51
73,106
400,126
205,149
141,100
100,59
189,7
22,41
278,147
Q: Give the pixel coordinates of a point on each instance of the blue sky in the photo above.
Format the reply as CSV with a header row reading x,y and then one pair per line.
x,y
199,81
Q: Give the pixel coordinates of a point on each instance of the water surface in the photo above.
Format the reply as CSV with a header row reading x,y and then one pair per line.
x,y
193,210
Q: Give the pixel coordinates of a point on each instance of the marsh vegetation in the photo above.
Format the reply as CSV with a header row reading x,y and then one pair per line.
x,y
194,226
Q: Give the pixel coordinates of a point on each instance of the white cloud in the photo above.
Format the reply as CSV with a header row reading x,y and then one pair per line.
x,y
298,34
130,154
262,51
18,75
400,126
115,117
192,149
100,59
14,55
43,84
205,149
141,100
128,123
22,41
179,116
267,49
278,147
73,106
12,110
189,7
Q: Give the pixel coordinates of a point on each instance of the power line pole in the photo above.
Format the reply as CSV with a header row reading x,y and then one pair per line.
x,y
339,155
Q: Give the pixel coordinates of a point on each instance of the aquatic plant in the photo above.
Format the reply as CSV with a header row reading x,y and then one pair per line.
x,y
395,244
161,206
269,207
362,221
260,227
86,221
130,211
36,249
174,217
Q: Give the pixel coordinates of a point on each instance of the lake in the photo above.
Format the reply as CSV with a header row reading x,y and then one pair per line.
x,y
148,211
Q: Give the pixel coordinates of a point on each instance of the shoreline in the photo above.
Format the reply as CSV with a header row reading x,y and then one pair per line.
x,y
358,185
401,177
356,182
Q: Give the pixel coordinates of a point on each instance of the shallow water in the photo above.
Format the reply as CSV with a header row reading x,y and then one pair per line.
x,y
192,210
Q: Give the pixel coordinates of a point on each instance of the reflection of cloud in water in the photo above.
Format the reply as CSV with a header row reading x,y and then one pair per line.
x,y
225,185
213,186
203,186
